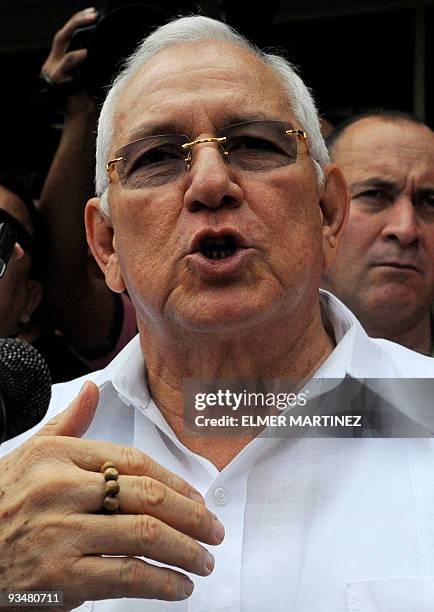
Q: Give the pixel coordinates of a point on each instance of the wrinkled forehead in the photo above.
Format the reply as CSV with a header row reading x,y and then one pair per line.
x,y
194,87
381,142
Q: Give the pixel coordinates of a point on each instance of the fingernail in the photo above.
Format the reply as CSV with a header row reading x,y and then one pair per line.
x,y
218,529
209,562
82,388
187,587
196,496
90,11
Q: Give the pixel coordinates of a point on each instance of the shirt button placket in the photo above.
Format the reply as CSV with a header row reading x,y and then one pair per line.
x,y
228,503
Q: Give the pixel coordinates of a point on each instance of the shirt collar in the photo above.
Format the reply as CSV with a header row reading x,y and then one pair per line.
x,y
127,375
355,355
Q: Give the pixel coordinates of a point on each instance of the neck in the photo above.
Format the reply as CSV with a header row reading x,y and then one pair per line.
x,y
283,351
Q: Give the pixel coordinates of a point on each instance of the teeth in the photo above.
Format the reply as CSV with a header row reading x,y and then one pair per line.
x,y
215,241
218,254
218,248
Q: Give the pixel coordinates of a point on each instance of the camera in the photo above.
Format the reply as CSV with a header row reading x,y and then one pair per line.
x,y
113,37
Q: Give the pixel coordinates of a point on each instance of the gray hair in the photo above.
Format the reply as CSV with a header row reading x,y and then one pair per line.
x,y
195,29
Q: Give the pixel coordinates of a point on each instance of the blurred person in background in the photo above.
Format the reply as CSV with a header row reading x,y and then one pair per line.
x,y
384,266
95,321
22,285
20,290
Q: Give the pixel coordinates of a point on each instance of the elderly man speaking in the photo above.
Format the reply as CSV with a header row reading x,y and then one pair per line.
x,y
218,211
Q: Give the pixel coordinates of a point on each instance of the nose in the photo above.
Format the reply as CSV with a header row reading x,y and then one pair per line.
x,y
211,180
402,222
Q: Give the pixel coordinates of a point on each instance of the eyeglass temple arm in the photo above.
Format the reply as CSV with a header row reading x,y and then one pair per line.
x,y
112,163
300,133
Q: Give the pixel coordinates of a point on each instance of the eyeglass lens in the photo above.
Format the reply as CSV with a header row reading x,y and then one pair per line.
x,y
256,146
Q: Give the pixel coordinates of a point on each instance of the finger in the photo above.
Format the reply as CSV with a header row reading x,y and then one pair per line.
x,y
143,535
112,578
72,60
75,420
140,495
90,455
62,38
144,495
63,71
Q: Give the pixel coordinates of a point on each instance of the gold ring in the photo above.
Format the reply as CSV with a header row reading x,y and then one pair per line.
x,y
111,502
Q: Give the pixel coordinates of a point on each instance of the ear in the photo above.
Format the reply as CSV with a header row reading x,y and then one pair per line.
x,y
102,243
34,291
334,203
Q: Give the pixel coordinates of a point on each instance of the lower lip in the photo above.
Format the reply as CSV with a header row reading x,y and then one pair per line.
x,y
220,269
396,268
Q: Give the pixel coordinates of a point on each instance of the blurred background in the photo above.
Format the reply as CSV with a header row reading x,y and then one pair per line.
x,y
352,54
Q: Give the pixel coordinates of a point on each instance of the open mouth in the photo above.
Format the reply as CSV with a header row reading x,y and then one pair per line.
x,y
219,255
218,248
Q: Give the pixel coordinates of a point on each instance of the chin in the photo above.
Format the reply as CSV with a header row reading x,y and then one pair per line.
x,y
230,315
393,301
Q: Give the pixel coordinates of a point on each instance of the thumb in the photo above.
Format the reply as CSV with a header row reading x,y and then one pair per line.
x,y
76,419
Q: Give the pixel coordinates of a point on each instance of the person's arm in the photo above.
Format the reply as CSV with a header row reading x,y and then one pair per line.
x,y
54,536
82,306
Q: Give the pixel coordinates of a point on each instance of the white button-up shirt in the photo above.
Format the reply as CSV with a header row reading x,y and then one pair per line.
x,y
312,524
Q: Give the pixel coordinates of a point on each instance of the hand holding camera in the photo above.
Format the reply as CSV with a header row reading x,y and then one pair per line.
x,y
62,64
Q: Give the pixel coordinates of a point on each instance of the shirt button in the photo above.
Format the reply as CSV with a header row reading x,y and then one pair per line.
x,y
221,496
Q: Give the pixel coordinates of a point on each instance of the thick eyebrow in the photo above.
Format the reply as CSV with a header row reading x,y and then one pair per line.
x,y
155,129
233,119
374,182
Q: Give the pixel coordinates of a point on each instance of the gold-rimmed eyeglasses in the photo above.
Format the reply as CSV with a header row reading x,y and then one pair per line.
x,y
251,146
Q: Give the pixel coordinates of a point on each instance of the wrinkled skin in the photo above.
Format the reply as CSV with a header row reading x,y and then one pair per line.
x,y
53,536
